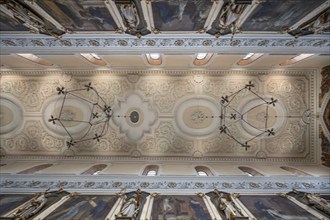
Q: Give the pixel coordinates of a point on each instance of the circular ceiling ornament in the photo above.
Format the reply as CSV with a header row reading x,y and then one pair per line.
x,y
196,117
134,116
72,113
11,115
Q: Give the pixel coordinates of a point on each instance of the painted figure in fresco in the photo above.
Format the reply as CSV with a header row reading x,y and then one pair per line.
x,y
131,16
270,213
228,206
23,15
174,9
312,200
200,213
166,205
171,9
229,15
28,18
34,205
318,202
131,207
317,26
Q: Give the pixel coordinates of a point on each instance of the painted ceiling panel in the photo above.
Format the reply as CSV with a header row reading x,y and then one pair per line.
x,y
183,15
274,15
91,15
9,24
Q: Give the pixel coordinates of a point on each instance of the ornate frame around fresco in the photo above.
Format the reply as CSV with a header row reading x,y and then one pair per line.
x,y
195,202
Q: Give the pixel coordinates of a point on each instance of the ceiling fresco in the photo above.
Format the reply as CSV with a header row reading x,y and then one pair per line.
x,y
273,15
180,15
172,109
80,15
141,18
8,24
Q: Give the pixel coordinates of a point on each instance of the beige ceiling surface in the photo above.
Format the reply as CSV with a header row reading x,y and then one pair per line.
x,y
67,61
174,115
173,102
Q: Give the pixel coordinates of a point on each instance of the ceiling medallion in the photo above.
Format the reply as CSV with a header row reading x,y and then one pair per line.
x,y
97,122
230,115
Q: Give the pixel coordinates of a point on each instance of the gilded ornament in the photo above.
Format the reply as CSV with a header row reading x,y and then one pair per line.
x,y
37,43
89,184
65,43
144,185
122,42
207,42
199,185
171,184
9,43
94,43
178,43
116,184
151,42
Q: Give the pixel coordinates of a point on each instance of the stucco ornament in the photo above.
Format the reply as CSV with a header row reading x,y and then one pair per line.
x,y
134,117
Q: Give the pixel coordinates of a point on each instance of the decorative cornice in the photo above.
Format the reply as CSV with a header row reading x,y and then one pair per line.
x,y
83,72
102,43
30,183
269,160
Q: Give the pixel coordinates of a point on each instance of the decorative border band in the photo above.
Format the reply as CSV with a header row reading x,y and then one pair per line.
x,y
318,44
114,183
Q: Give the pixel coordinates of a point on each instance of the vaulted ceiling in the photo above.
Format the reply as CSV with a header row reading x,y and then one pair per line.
x,y
172,103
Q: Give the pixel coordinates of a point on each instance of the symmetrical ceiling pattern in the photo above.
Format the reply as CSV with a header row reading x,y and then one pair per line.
x,y
164,116
174,98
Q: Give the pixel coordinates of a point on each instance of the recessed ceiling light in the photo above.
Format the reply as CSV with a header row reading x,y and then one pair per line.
x,y
201,56
249,58
35,59
296,59
302,56
96,56
249,55
154,56
94,59
29,56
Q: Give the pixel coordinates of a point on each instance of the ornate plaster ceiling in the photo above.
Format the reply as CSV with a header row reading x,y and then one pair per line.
x,y
170,100
172,115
